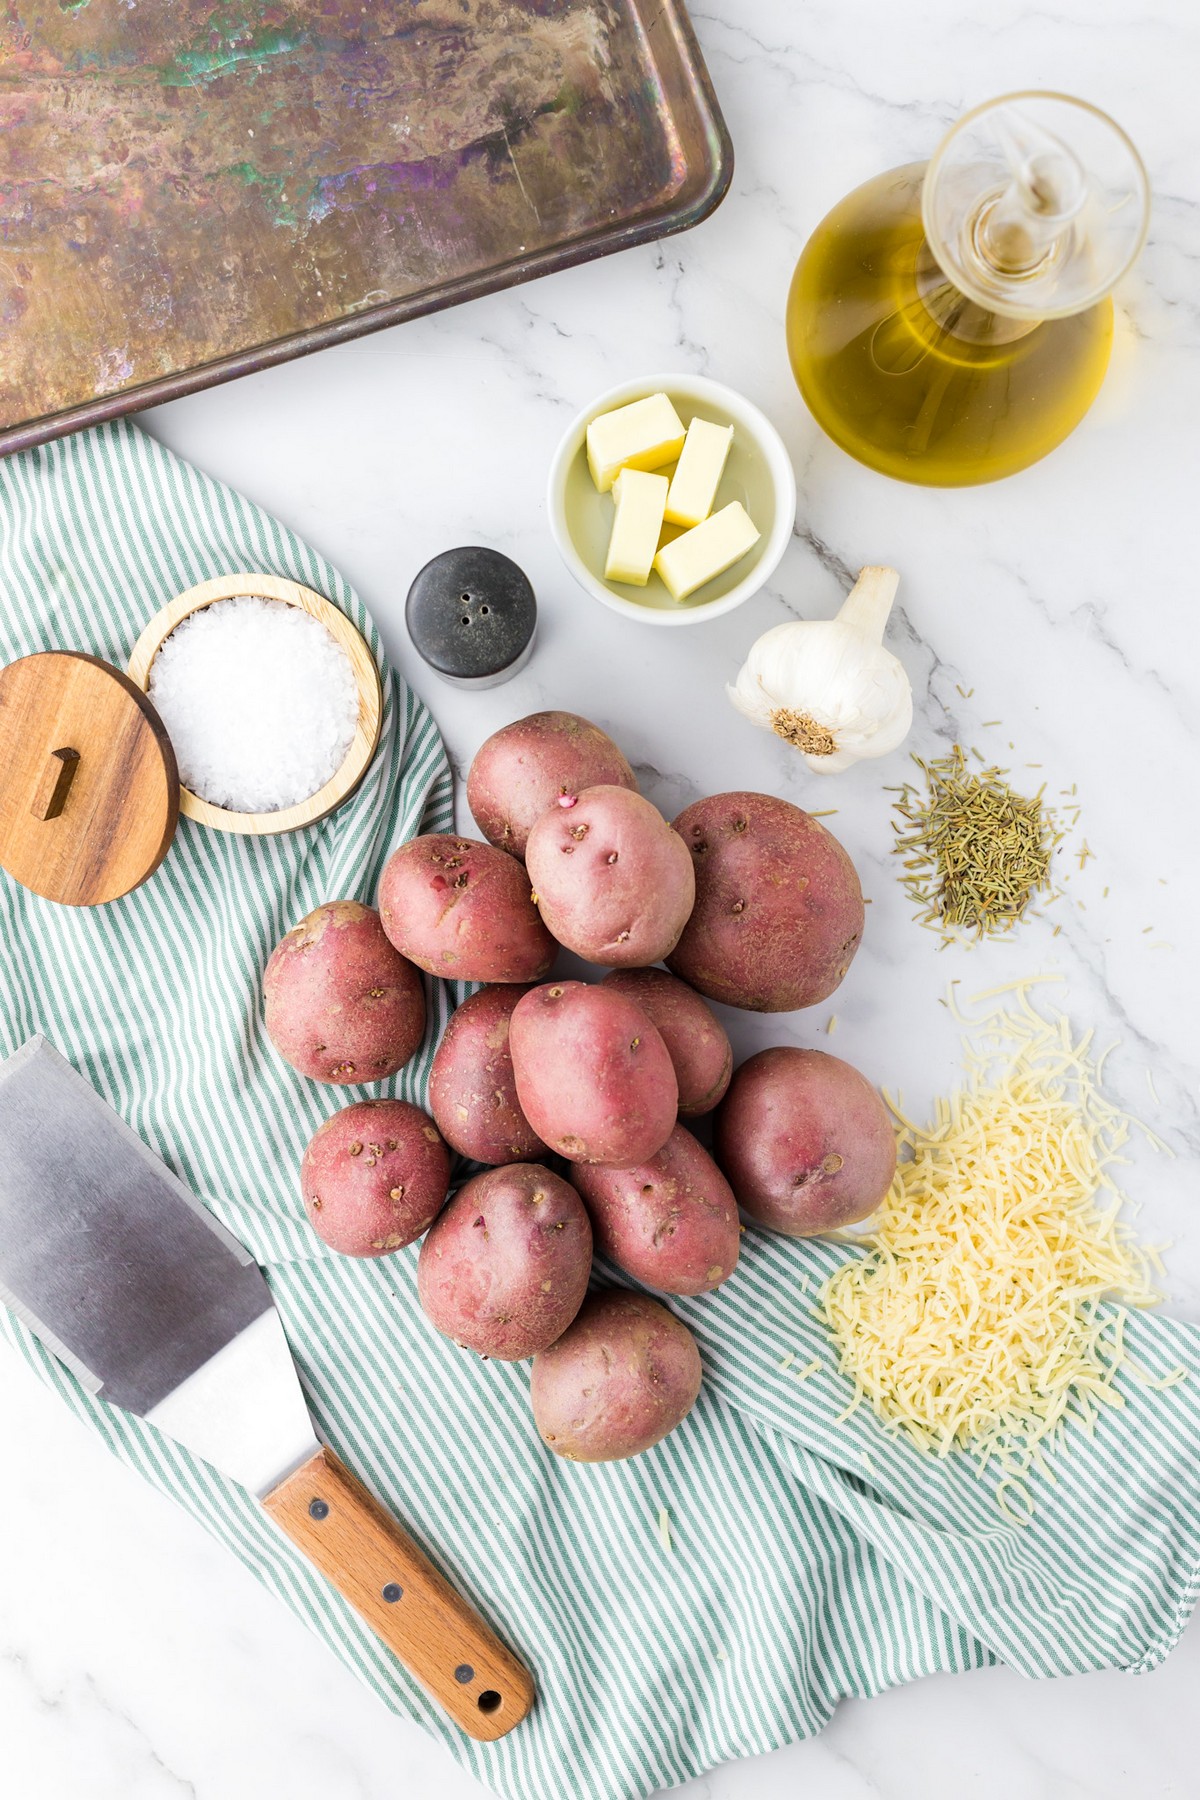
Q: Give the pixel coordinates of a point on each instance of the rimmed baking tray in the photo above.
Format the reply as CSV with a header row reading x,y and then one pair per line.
x,y
191,190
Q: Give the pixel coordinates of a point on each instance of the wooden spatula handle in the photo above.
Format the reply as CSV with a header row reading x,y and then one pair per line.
x,y
440,1639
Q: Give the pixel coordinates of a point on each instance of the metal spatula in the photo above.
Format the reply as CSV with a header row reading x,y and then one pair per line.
x,y
157,1309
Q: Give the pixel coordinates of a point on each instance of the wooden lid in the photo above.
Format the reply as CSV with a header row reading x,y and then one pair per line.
x,y
89,789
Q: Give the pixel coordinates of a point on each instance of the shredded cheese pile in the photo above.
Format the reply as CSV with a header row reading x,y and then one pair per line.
x,y
975,1320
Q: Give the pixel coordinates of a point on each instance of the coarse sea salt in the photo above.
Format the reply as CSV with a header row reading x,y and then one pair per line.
x,y
259,701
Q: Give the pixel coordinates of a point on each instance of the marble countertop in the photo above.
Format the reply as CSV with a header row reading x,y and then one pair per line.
x,y
136,1661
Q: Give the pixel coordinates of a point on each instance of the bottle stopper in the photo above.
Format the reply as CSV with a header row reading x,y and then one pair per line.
x,y
471,614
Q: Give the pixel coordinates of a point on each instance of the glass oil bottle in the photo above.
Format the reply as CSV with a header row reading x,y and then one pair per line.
x,y
951,322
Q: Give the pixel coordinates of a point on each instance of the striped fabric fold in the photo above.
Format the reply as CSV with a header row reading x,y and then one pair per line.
x,y
810,1558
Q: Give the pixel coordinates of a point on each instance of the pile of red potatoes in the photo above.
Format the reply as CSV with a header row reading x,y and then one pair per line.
x,y
573,1093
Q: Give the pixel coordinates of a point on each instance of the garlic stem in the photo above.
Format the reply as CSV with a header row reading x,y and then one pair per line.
x,y
867,605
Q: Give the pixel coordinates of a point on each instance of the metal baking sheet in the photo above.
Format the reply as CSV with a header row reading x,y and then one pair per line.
x,y
190,189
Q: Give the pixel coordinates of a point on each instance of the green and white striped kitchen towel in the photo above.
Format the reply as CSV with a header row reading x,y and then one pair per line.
x,y
809,1559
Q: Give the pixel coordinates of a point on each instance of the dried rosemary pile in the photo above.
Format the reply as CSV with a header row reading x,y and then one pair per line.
x,y
975,853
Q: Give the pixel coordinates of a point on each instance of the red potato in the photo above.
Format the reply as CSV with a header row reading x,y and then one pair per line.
x,y
341,1004
374,1177
672,1222
613,882
527,766
505,1269
593,1076
619,1379
779,910
805,1140
696,1042
460,909
472,1089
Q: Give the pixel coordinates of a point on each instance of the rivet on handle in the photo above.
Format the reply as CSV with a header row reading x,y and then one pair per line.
x,y
55,784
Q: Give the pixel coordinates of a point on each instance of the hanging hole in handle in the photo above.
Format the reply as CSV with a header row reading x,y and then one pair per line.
x,y
489,1701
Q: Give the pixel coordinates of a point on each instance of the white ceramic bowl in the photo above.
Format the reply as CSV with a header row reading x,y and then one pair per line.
x,y
759,473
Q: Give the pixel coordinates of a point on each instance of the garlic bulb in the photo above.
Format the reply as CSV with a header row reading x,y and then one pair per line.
x,y
828,686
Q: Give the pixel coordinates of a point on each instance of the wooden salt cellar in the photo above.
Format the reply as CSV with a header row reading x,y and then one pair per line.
x,y
89,787
366,679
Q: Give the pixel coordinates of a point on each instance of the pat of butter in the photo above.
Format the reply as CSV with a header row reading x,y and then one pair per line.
x,y
643,435
637,522
707,550
701,465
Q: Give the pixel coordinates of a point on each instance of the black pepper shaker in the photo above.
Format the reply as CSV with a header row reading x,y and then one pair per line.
x,y
471,614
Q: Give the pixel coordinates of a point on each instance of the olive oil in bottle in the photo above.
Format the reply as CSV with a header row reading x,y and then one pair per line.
x,y
950,322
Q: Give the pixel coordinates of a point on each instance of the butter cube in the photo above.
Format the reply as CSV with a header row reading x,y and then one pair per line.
x,y
707,550
640,501
701,465
643,435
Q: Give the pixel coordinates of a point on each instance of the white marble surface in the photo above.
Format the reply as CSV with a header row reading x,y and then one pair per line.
x,y
139,1663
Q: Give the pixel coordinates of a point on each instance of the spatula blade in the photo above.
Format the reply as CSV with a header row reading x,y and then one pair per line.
x,y
101,1247
124,1275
